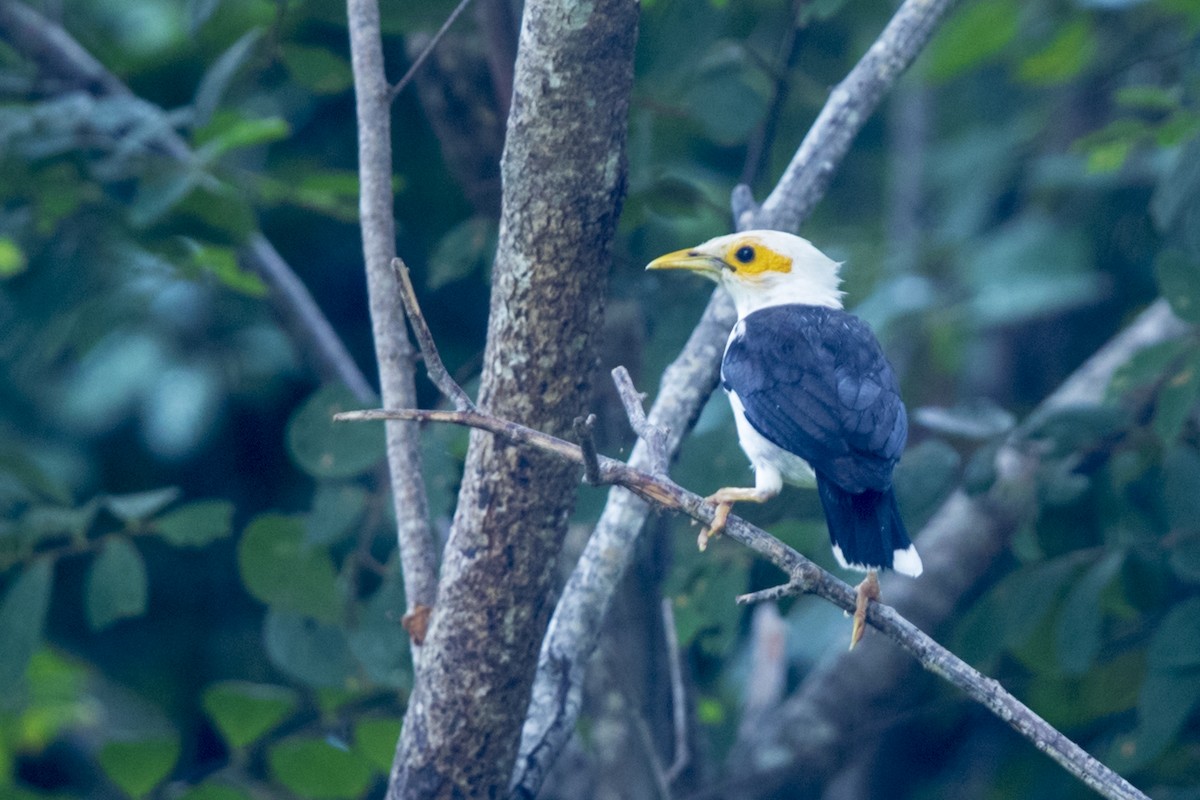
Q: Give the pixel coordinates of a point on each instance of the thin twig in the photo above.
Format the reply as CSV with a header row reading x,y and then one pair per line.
x,y
655,436
395,91
434,368
585,428
678,695
806,578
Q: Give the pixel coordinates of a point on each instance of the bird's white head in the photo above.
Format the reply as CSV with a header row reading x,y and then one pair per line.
x,y
762,268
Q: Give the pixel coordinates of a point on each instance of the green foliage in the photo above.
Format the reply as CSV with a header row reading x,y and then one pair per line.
x,y
1053,193
327,449
116,584
196,524
139,765
22,617
314,768
375,740
280,568
244,712
978,32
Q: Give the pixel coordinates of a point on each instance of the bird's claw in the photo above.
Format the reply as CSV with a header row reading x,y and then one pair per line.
x,y
867,591
716,526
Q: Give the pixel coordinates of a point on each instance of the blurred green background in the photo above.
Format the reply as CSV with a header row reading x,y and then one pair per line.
x,y
199,594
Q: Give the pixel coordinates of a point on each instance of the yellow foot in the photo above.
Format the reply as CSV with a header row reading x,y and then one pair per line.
x,y
718,525
867,591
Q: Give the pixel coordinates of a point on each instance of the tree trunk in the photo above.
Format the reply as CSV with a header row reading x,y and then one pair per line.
x,y
563,176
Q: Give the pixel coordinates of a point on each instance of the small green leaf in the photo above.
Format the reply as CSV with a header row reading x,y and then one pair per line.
x,y
12,258
1080,622
375,740
1176,641
22,617
327,449
319,70
335,510
315,769
281,569
310,651
1176,399
196,524
1179,281
238,132
1145,368
1063,58
160,189
218,77
1177,190
378,641
244,711
1166,701
137,767
975,34
222,263
1181,488
116,584
466,249
925,476
131,508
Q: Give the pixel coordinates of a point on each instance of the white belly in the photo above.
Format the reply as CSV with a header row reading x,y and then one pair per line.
x,y
772,464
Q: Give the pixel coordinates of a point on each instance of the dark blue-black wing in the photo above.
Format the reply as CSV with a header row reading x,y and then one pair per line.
x,y
815,382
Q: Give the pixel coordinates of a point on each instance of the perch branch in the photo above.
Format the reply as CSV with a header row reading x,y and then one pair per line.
x,y
420,60
434,367
807,578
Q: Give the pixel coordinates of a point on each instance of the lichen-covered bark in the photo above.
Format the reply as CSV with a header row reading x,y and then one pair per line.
x,y
563,175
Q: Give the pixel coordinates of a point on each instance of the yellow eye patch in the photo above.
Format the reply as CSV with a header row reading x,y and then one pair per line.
x,y
752,257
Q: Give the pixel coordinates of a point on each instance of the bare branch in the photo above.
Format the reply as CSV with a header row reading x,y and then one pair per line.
x,y
395,91
679,714
806,577
850,105
393,350
585,431
655,436
57,53
429,353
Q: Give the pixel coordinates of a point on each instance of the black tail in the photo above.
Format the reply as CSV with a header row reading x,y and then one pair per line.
x,y
866,529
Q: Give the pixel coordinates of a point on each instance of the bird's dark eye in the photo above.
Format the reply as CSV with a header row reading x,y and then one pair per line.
x,y
745,254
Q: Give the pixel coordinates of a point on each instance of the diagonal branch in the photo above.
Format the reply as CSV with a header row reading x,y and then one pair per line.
x,y
804,577
574,630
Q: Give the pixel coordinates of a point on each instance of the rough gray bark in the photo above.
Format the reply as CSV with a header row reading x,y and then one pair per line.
x,y
393,350
563,177
687,384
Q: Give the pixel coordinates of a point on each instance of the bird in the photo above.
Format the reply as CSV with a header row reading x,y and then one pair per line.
x,y
815,401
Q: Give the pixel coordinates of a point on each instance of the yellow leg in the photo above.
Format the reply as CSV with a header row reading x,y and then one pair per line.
x,y
867,591
724,499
